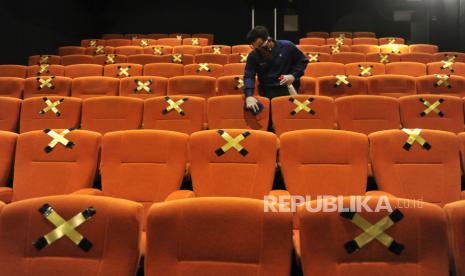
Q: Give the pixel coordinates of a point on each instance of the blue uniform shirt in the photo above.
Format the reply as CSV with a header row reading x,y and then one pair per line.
x,y
287,59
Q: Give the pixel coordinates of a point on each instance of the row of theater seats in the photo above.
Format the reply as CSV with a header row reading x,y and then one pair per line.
x,y
154,50
230,236
371,49
344,57
144,42
363,114
349,41
209,36
341,34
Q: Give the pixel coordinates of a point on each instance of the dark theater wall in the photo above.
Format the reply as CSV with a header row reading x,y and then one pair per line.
x,y
40,27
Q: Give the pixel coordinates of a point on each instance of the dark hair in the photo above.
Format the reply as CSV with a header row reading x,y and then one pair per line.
x,y
256,33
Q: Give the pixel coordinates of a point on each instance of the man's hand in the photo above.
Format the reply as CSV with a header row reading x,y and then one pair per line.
x,y
251,103
286,79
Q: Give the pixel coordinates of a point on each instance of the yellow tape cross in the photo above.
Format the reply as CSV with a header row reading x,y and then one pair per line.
x,y
144,43
432,107
110,59
313,57
395,48
414,136
373,231
195,41
240,83
123,71
100,50
447,64
216,49
335,49
340,41
391,41
365,71
443,80
58,138
174,105
158,50
243,57
302,106
64,228
43,68
44,59
45,83
342,79
232,143
177,58
143,86
179,37
51,106
203,67
92,43
384,58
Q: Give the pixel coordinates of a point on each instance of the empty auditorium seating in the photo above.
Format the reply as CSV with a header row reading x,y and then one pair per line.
x,y
202,86
9,114
109,59
322,69
347,57
227,112
45,70
241,49
157,36
83,70
211,58
233,69
143,87
307,86
244,240
179,36
455,56
217,49
232,162
391,40
238,58
391,85
413,69
210,37
306,49
122,70
195,41
204,69
367,113
176,113
423,48
143,59
417,164
341,85
71,50
118,42
318,34
317,162
312,41
44,59
365,41
417,57
455,222
100,50
166,70
334,49
159,50
180,58
340,34
46,86
112,36
432,112
441,84
129,50
144,42
14,71
77,59
445,67
365,69
365,49
364,34
135,36
54,112
93,42
409,240
169,41
343,41
230,85
394,48
382,57
55,242
187,49
11,87
302,112
111,113
87,87
7,149
46,166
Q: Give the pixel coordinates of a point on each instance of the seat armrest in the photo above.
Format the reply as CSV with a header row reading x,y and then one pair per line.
x,y
180,194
